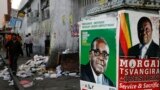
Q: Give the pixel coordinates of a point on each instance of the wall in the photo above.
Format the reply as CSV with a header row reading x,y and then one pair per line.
x,y
3,4
64,13
22,3
38,29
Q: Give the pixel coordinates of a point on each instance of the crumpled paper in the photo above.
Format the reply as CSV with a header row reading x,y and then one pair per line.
x,y
58,71
32,66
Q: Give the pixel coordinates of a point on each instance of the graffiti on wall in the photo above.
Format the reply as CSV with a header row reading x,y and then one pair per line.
x,y
40,31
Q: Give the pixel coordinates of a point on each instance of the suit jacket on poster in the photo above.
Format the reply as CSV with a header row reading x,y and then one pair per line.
x,y
87,75
152,51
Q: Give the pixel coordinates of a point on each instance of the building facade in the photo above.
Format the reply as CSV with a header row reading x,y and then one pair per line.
x,y
56,19
59,19
5,11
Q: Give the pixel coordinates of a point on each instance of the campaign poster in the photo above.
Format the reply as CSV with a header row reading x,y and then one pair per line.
x,y
138,63
98,54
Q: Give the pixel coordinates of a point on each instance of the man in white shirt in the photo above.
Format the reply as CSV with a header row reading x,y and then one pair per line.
x,y
30,43
26,42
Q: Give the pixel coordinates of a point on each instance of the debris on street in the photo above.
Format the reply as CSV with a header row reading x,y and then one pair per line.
x,y
34,70
5,74
37,66
26,83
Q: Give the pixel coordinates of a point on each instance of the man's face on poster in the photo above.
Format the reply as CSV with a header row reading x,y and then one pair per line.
x,y
99,58
145,33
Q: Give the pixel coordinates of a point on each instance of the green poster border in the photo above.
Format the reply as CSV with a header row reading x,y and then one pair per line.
x,y
110,36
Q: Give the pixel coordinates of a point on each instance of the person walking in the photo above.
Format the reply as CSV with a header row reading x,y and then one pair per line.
x,y
26,43
14,50
8,37
20,40
30,43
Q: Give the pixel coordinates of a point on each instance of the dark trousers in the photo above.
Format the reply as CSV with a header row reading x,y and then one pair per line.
x,y
46,50
7,53
31,48
21,51
28,50
13,63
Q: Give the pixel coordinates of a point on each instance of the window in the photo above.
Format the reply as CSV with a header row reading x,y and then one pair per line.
x,y
88,2
45,9
45,14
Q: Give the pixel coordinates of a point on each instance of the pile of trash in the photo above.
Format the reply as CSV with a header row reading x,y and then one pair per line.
x,y
6,75
36,66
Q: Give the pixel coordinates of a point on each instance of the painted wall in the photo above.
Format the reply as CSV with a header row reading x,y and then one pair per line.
x,y
63,14
22,3
38,29
3,10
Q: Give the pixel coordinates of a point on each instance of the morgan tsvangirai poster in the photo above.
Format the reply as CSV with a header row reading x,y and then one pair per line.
x,y
138,66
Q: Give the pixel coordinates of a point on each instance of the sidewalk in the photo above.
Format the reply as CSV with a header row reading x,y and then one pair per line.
x,y
60,83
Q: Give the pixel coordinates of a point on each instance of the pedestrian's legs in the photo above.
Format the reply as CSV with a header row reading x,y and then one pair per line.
x,y
15,58
46,50
31,48
21,51
27,50
10,61
7,53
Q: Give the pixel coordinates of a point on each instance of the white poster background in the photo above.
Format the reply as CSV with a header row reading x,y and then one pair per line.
x,y
84,85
